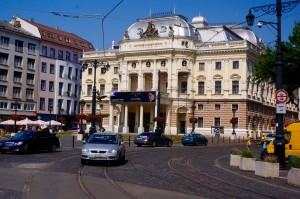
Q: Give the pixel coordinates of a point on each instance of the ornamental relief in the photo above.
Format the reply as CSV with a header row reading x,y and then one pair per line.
x,y
88,81
101,81
217,77
201,78
235,76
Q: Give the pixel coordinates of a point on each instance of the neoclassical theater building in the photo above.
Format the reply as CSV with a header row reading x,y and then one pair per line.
x,y
184,64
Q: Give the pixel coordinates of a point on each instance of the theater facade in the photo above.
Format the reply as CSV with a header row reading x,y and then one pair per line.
x,y
182,64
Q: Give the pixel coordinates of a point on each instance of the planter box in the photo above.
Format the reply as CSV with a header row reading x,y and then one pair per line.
x,y
235,160
267,169
247,164
294,176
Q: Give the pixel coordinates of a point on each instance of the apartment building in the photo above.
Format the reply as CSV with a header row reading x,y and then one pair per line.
x,y
19,61
188,64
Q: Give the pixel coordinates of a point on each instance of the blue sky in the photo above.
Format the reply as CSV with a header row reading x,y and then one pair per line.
x,y
215,11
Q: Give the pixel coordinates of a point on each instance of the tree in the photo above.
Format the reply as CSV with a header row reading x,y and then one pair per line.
x,y
265,70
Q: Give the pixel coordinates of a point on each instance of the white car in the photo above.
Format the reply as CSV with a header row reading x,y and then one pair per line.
x,y
103,147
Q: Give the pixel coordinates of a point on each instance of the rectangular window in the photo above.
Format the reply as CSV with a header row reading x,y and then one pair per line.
x,y
3,75
19,46
43,85
29,94
42,103
4,42
18,61
235,65
61,71
60,88
116,70
200,122
183,87
218,66
70,73
44,51
16,92
30,79
68,56
75,58
235,87
52,68
3,105
89,90
76,74
201,88
50,103
200,107
90,71
29,107
3,91
115,87
201,66
217,121
217,107
44,67
235,107
31,48
218,87
30,63
3,58
102,89
68,107
60,55
15,106
17,77
69,89
51,86
52,52
75,90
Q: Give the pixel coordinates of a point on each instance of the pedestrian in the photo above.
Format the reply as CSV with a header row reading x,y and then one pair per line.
x,y
263,140
248,142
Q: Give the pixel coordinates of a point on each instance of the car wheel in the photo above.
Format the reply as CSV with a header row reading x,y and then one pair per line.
x,y
139,145
53,148
26,149
153,144
83,162
205,143
170,144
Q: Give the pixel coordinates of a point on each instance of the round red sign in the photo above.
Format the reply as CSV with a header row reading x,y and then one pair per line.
x,y
281,96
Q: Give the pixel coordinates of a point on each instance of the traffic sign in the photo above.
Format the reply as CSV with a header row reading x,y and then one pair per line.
x,y
281,96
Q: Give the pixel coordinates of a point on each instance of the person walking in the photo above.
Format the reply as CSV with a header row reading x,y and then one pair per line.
x,y
248,142
263,140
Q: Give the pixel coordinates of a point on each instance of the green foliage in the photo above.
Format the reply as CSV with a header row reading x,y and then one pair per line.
x,y
265,70
271,158
247,154
294,162
235,151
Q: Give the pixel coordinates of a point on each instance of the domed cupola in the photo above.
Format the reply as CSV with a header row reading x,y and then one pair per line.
x,y
199,22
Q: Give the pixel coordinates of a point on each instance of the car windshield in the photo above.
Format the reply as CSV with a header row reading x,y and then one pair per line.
x,y
24,134
103,139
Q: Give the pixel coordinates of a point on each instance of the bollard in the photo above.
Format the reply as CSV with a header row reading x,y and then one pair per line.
x,y
129,141
229,139
73,141
212,139
223,139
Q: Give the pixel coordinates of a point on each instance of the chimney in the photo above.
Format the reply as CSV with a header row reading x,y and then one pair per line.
x,y
15,23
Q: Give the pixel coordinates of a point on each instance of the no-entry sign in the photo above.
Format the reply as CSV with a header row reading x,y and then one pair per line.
x,y
281,96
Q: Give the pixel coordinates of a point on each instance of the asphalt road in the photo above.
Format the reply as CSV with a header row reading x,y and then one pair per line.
x,y
149,172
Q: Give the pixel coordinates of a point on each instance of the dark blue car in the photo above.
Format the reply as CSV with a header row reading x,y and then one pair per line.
x,y
29,141
194,139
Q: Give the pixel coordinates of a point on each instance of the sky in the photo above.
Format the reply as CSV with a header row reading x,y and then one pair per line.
x,y
128,12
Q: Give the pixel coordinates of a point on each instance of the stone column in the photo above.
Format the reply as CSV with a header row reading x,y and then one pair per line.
x,y
141,126
125,127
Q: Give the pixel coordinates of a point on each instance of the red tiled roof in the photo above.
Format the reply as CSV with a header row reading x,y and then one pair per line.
x,y
62,38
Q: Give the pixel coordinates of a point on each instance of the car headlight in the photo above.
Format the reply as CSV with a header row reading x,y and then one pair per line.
x,y
84,150
18,143
113,151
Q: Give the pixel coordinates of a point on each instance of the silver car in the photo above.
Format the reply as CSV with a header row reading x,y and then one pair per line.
x,y
103,146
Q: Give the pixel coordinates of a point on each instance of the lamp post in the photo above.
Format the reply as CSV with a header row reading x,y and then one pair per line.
x,y
278,8
82,104
99,99
50,108
16,104
104,67
193,122
158,129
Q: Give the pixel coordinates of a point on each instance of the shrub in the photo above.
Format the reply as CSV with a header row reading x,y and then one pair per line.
x,y
271,158
294,162
235,151
247,154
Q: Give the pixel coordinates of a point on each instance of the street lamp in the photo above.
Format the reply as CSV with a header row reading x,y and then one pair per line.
x,y
278,8
82,104
16,105
104,67
193,122
99,99
50,108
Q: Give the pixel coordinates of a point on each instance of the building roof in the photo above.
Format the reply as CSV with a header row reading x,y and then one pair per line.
x,y
5,26
60,37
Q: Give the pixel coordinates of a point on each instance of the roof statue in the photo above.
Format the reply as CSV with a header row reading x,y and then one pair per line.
x,y
150,32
